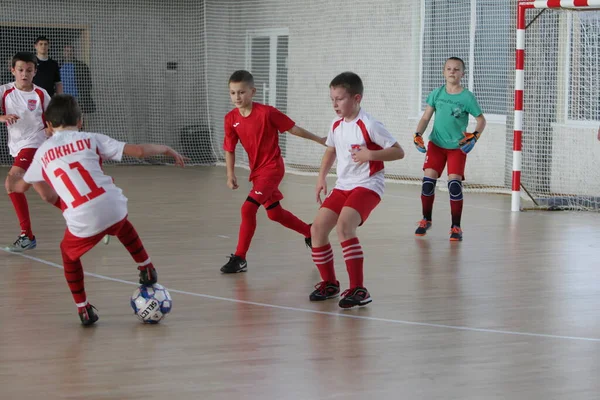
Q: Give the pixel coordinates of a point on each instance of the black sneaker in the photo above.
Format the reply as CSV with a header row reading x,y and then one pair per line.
x,y
455,234
308,240
325,290
148,276
22,243
355,297
234,265
88,315
424,225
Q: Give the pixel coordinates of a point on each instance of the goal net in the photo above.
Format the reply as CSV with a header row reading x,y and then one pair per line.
x,y
560,114
158,73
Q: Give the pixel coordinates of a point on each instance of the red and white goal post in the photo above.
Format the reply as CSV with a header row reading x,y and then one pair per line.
x,y
570,108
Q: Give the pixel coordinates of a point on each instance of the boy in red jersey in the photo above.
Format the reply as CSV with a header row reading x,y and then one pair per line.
x,y
257,127
23,105
361,144
71,163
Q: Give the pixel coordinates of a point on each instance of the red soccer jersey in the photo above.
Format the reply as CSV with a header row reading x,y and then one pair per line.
x,y
259,134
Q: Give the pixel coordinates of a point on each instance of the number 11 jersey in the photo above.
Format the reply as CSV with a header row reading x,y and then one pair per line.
x,y
71,162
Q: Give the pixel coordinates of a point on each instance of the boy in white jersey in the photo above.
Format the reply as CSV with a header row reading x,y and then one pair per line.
x,y
23,104
361,144
71,162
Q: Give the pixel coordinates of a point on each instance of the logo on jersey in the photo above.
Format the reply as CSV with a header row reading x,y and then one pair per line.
x,y
457,112
236,124
257,192
31,104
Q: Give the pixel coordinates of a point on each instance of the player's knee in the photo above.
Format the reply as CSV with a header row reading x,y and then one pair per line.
x,y
428,188
250,208
455,189
345,229
319,230
7,186
275,212
315,230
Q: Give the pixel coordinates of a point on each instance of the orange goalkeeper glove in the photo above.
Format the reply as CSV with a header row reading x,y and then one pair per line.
x,y
419,143
468,142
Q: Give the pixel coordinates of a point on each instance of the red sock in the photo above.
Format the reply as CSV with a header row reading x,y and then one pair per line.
x,y
247,228
74,276
323,258
60,204
132,242
22,209
456,207
428,196
427,202
278,214
353,255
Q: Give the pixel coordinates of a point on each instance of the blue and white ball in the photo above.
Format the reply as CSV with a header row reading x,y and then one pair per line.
x,y
151,303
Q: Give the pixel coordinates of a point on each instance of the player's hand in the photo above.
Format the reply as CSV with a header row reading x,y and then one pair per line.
x,y
179,159
323,140
9,118
361,155
232,182
419,143
468,142
321,187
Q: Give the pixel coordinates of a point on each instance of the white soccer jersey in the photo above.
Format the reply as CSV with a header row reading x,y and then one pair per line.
x,y
364,130
71,162
28,131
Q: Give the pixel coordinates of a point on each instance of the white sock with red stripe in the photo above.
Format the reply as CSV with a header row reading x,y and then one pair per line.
x,y
353,255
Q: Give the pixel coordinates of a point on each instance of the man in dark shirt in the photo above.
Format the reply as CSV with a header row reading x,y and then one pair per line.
x,y
48,71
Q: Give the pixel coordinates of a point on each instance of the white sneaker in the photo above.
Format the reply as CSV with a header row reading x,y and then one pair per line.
x,y
22,243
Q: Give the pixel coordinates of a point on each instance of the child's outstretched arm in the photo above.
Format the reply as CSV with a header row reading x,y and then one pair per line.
x,y
303,133
149,150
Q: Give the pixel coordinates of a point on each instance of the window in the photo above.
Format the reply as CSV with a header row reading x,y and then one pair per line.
x,y
479,33
583,81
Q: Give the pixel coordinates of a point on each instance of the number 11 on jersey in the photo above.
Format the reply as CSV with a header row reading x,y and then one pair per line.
x,y
78,198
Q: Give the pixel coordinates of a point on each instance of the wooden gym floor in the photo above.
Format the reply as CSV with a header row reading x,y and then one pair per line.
x,y
510,313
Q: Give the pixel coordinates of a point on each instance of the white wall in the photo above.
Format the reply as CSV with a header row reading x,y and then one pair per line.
x,y
379,40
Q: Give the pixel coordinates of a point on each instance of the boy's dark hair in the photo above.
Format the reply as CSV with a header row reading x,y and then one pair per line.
x,y
40,38
25,56
63,110
457,59
349,81
242,76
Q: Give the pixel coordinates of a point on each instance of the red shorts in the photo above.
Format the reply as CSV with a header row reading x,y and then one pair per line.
x,y
265,189
24,158
437,157
361,199
74,247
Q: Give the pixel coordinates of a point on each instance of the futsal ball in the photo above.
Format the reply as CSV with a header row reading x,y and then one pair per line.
x,y
151,303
